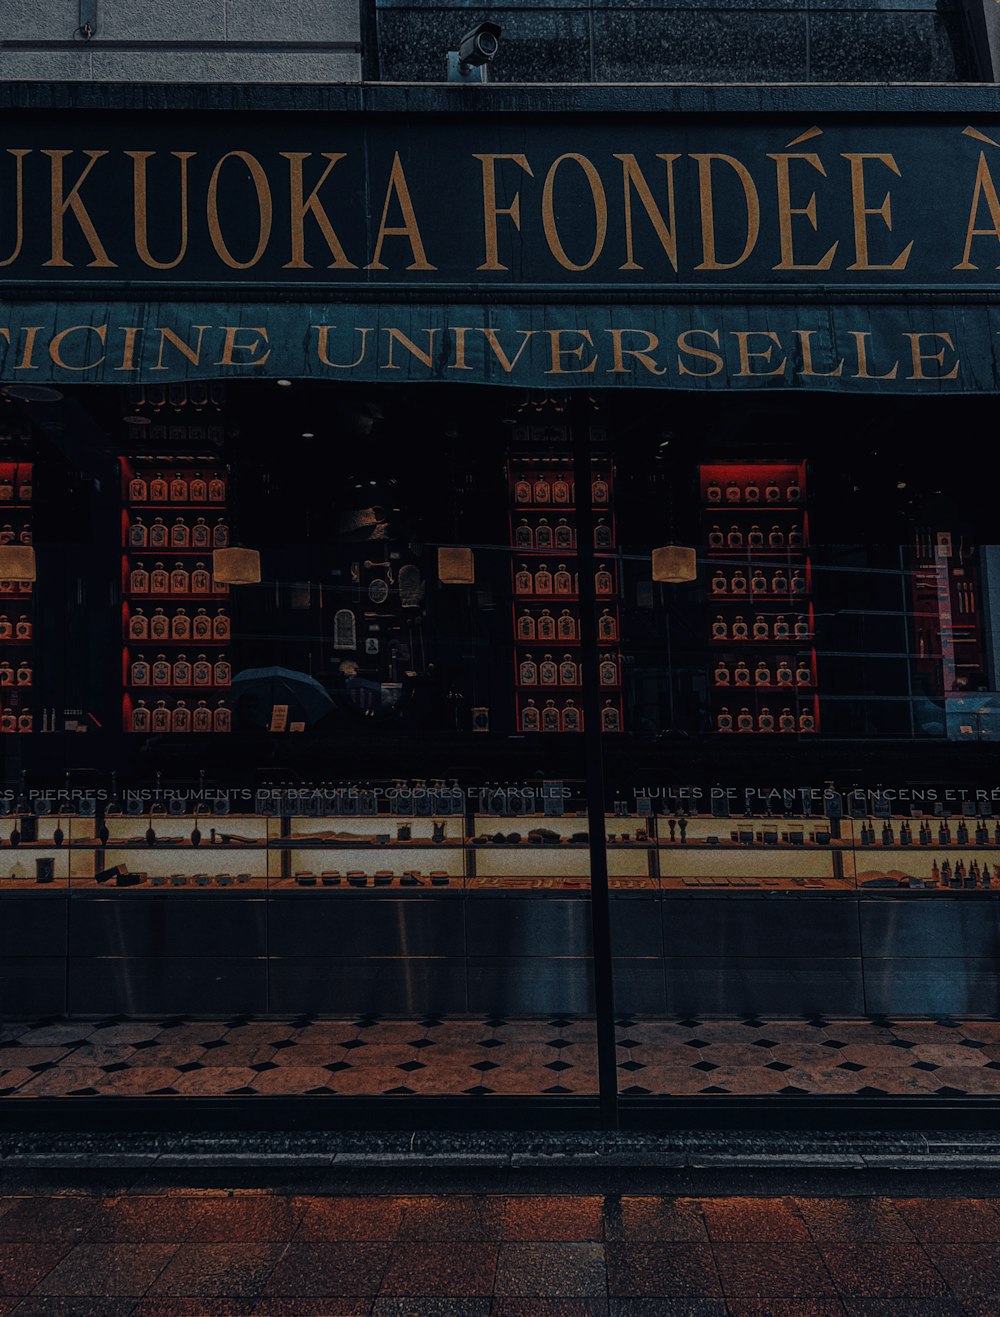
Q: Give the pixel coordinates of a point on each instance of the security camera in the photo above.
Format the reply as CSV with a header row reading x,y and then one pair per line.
x,y
475,50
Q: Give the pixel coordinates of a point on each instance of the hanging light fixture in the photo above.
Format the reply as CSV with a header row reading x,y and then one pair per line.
x,y
456,566
17,562
675,564
235,566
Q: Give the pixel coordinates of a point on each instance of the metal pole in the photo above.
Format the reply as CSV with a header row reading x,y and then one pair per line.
x,y
600,907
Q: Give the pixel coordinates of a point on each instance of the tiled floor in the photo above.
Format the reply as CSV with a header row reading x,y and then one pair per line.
x,y
194,1253
437,1055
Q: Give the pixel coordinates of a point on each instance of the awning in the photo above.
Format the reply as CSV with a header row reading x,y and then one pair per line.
x,y
882,347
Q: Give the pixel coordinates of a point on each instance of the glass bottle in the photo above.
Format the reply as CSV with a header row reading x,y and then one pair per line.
x,y
524,537
563,535
220,625
572,719
786,721
201,535
25,722
180,625
801,628
761,630
765,720
158,489
550,717
522,491
548,672
803,675
733,492
779,582
758,582
161,671
566,625
569,672
755,538
201,718
160,717
740,629
178,488
562,581
738,583
724,720
775,538
795,538
541,490
158,534
220,534
217,490
607,626
744,720
772,492
23,628
180,579
24,487
782,630
181,671
762,673
784,673
608,670
23,675
138,580
807,723
140,717
201,579
138,491
159,625
138,534
798,582
222,671
543,580
528,671
741,673
720,674
603,582
530,717
602,534
140,671
222,718
599,491
793,492
524,581
543,534
610,720
751,492
734,538
159,580
713,492
197,489
720,585
560,490
180,534
201,671
180,718
526,626
720,628
716,539
546,625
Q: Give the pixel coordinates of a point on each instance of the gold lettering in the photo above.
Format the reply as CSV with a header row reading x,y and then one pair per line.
x,y
786,211
558,352
859,337
491,211
640,354
918,358
397,336
985,187
31,333
862,211
193,354
805,336
600,212
132,333
632,176
746,356
19,213
55,345
311,205
63,201
710,259
140,213
264,211
508,365
460,332
322,347
684,344
409,228
231,346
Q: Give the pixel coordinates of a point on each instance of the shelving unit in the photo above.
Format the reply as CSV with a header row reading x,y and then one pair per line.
x,y
176,623
763,674
17,623
946,600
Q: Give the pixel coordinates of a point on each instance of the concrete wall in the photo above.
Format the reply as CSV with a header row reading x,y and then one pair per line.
x,y
181,40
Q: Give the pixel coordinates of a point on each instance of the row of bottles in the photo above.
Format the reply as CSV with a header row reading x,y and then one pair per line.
x,y
548,672
774,490
561,581
564,627
16,720
782,674
11,534
926,834
561,536
180,672
754,538
567,718
22,675
559,489
765,721
960,876
16,587
181,717
180,535
177,488
761,628
178,626
779,582
22,629
15,482
157,580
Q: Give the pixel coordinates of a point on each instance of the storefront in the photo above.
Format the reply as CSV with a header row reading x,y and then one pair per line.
x,y
503,568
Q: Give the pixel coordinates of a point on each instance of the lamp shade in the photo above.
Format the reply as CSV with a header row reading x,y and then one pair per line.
x,y
456,567
17,562
236,566
675,563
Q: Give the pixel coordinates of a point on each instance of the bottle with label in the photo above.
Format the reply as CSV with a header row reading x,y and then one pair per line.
x,y
603,581
607,626
197,489
755,538
779,582
608,670
526,626
220,534
541,490
799,585
550,717
610,720
795,538
180,579
724,720
201,579
572,718
562,582
720,674
744,720
159,580
543,534
159,625
543,580
720,585
782,630
563,535
569,671
758,582
599,491
182,671
713,492
160,717
22,628
733,492
180,625
180,718
180,534
8,721
158,489
220,625
528,671
720,628
140,671
201,717
201,671
602,534
530,718
786,721
222,672
23,675
775,538
772,492
201,535
201,626
803,675
740,629
765,720
734,539
546,625
738,583
178,488
140,717
548,672
217,490
138,491
522,491
807,723
222,718
7,535
761,630
793,492
6,627
751,492
762,673
716,539
138,535
524,581
158,534
566,625
784,673
138,582
24,487
741,673
560,490
524,537
801,628
161,671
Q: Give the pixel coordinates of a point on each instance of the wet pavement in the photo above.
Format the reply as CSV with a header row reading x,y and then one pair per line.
x,y
163,1247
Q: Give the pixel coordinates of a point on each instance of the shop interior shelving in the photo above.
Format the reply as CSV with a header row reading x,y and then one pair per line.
x,y
17,623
